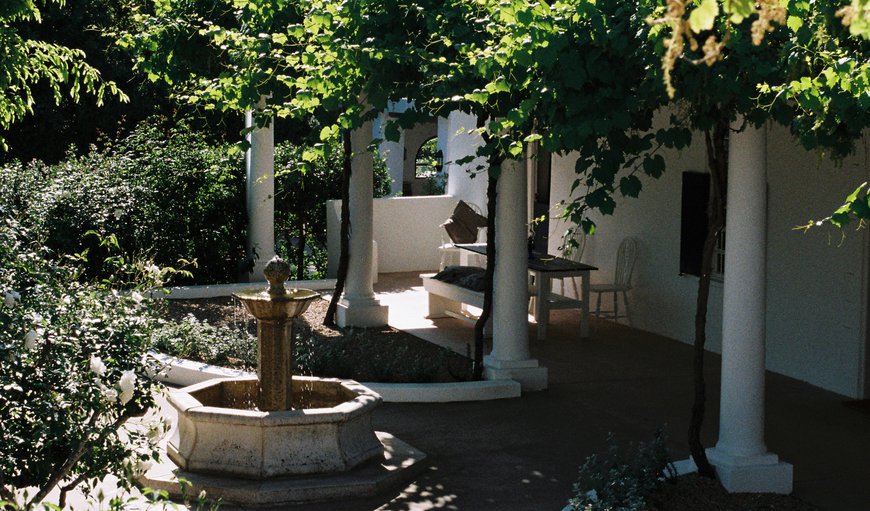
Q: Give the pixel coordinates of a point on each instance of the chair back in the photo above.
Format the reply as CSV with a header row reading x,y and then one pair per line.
x,y
575,253
625,258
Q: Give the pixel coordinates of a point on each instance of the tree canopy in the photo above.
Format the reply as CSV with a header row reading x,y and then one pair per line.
x,y
27,62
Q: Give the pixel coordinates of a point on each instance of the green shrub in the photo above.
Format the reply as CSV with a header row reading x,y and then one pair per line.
x,y
197,340
163,193
353,355
304,181
623,477
74,369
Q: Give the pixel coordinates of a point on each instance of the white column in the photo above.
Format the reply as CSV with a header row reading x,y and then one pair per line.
x,y
463,141
393,152
358,306
510,357
740,456
260,194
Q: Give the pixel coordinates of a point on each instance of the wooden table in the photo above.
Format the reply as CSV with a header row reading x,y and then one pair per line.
x,y
543,268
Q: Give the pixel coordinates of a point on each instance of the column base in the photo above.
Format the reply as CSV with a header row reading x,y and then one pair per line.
x,y
746,474
366,312
529,373
752,474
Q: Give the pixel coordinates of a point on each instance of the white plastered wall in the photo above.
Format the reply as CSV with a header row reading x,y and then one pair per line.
x,y
406,229
816,291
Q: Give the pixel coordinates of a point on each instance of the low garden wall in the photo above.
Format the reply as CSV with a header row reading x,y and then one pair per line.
x,y
406,229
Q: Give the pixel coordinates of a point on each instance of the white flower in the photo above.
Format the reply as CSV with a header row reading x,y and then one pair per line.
x,y
592,495
10,298
118,212
156,430
110,394
137,297
153,268
127,384
30,340
142,467
97,366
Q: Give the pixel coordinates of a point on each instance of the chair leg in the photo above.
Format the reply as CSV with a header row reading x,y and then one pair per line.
x,y
598,306
627,307
615,308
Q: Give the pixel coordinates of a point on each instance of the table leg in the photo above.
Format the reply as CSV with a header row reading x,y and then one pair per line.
x,y
542,310
584,306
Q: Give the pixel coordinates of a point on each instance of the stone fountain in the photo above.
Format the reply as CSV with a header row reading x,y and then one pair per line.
x,y
294,438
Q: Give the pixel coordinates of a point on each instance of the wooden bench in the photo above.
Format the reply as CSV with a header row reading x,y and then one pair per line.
x,y
447,300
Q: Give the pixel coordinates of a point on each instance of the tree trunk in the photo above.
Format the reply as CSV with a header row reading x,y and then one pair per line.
x,y
344,257
491,195
717,160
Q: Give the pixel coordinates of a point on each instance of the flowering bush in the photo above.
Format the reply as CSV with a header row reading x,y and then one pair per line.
x,y
622,478
73,369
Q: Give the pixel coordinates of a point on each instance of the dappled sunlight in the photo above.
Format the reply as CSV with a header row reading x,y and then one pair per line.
x,y
419,498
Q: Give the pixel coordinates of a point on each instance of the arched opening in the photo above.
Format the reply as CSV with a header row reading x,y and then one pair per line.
x,y
429,168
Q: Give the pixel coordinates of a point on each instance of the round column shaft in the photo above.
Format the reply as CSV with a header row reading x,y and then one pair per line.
x,y
260,193
510,357
358,306
511,281
359,272
740,456
741,425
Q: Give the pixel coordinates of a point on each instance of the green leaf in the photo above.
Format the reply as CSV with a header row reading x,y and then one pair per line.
x,y
703,16
794,23
478,96
739,9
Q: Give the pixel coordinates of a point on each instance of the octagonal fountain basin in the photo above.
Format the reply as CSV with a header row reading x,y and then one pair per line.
x,y
220,431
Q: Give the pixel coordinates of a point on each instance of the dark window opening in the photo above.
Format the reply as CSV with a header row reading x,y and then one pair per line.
x,y
694,216
693,221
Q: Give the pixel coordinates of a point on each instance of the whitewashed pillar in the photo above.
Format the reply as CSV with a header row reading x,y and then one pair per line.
x,y
740,456
510,356
260,193
358,306
393,153
462,141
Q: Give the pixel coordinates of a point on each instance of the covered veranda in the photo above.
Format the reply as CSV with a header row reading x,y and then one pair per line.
x,y
523,454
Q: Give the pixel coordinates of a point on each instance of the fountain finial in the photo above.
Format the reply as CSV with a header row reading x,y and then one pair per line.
x,y
277,271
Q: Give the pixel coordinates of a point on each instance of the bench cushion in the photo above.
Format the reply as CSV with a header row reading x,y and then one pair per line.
x,y
469,277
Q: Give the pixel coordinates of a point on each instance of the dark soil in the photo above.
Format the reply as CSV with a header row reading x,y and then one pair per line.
x,y
694,493
364,354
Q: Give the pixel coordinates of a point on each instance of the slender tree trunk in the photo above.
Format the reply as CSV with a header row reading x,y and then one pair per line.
x,y
344,257
717,160
491,195
300,254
